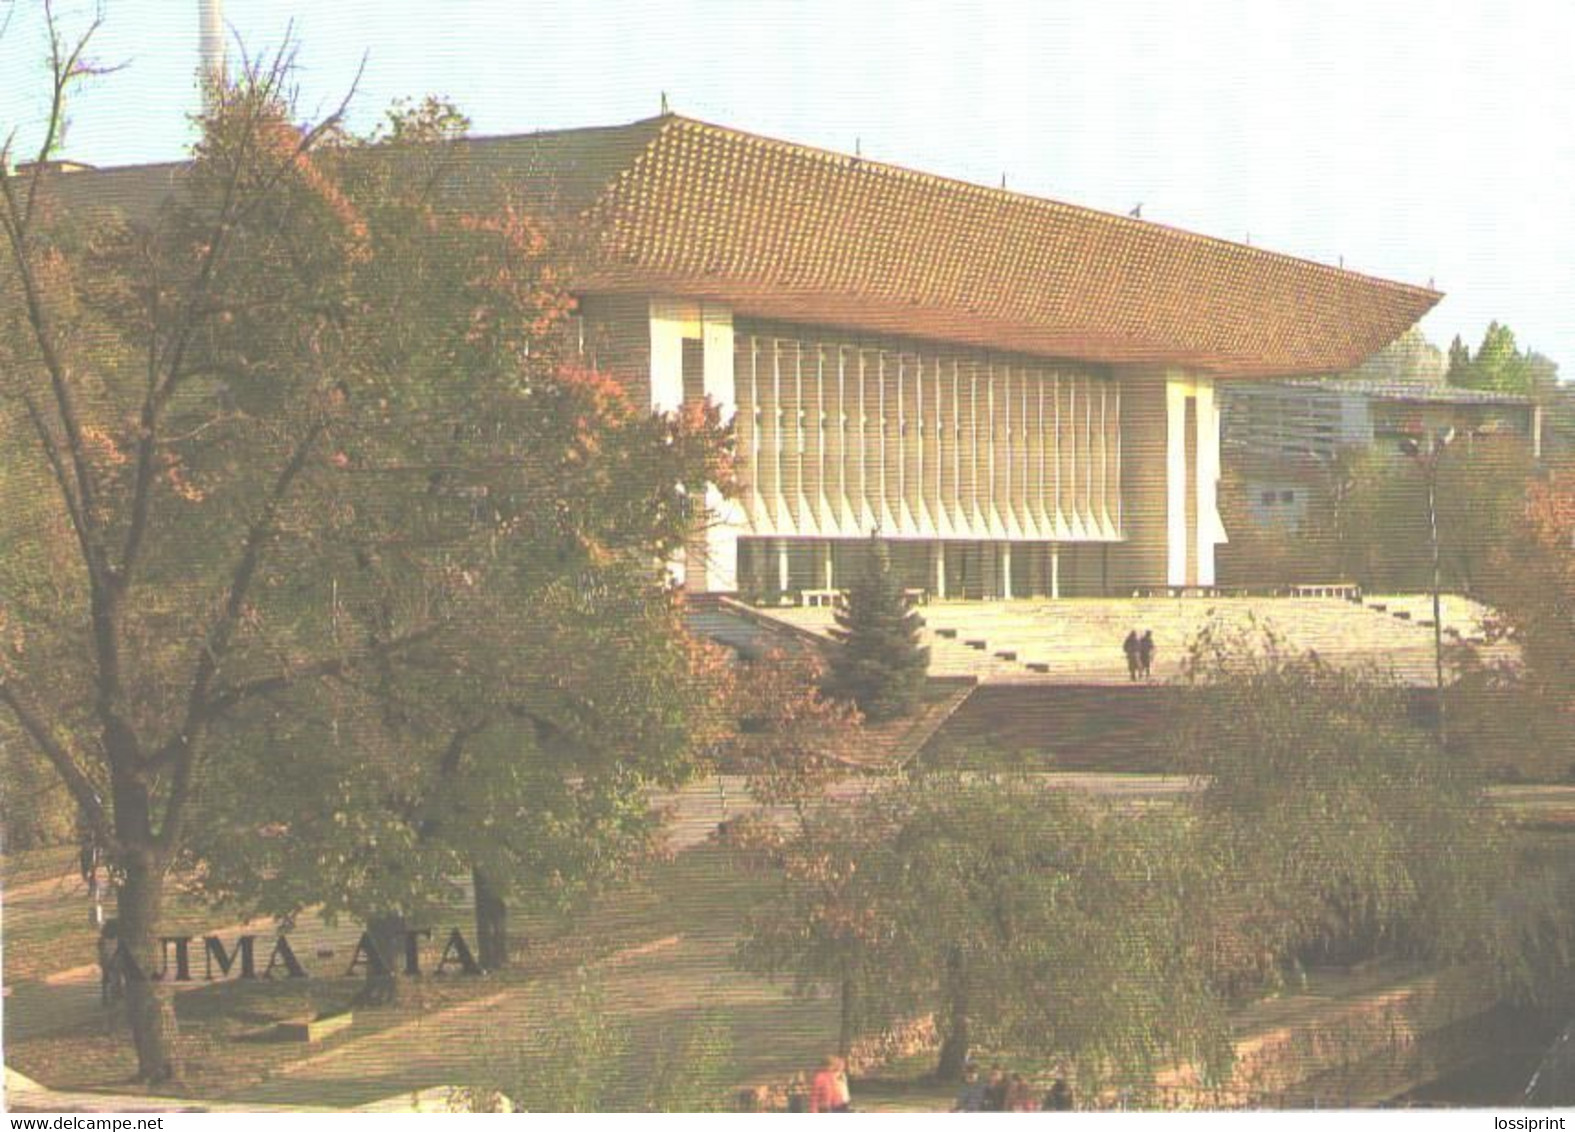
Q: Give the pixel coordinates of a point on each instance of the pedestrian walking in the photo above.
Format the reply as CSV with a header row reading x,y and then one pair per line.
x,y
1059,1098
1131,646
1146,654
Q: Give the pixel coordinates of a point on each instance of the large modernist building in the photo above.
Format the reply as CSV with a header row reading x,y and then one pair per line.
x,y
1018,394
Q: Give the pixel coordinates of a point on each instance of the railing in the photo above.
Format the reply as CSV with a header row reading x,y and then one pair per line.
x,y
1345,591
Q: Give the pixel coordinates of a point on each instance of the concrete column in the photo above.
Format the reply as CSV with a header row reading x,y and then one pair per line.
x,y
1210,531
831,579
938,567
1006,571
712,563
671,322
783,577
1177,535
1055,569
727,519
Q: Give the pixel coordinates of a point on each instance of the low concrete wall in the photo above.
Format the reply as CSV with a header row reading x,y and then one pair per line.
x,y
1344,1051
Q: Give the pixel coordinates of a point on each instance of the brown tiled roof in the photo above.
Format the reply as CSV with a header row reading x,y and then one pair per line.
x,y
785,231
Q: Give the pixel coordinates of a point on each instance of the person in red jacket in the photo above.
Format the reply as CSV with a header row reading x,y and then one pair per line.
x,y
829,1091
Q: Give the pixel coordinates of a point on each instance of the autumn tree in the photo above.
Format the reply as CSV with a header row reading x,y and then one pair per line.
x,y
522,742
293,475
1517,700
821,927
183,470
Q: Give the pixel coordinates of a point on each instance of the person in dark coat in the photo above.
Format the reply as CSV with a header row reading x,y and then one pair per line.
x,y
1146,654
111,970
1131,646
995,1091
971,1097
1059,1098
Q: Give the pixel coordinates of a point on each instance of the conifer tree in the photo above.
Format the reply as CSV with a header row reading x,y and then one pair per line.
x,y
881,666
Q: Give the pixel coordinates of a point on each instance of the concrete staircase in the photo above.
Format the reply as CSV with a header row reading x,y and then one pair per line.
x,y
1078,641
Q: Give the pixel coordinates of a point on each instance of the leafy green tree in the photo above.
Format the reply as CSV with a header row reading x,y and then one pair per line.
x,y
1410,358
572,1062
1377,531
1038,923
582,1056
1499,365
1028,920
1344,831
1459,362
881,665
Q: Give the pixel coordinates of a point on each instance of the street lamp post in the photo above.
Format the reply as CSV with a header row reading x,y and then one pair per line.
x,y
1428,460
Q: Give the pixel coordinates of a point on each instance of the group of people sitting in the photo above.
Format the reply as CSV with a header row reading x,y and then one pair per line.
x,y
826,1092
1140,654
1001,1092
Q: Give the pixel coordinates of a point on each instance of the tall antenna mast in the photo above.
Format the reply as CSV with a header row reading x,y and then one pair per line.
x,y
211,72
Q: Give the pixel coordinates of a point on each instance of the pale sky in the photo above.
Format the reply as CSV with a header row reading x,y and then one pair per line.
x,y
1418,141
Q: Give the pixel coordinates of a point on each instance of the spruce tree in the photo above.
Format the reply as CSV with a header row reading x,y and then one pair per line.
x,y
881,665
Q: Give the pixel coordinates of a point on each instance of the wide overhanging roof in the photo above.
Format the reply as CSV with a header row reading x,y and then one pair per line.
x,y
784,231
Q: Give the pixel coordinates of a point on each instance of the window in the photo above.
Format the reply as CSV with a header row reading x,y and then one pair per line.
x,y
1268,499
1287,497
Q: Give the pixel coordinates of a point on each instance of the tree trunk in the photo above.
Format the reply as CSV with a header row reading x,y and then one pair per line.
x,y
845,1029
150,1006
492,924
387,935
955,1043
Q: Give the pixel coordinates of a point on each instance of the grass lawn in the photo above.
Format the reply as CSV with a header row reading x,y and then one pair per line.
x,y
46,923
661,950
58,862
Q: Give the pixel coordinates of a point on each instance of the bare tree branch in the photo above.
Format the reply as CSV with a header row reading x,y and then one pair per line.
x,y
61,758
167,368
221,634
224,698
46,441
